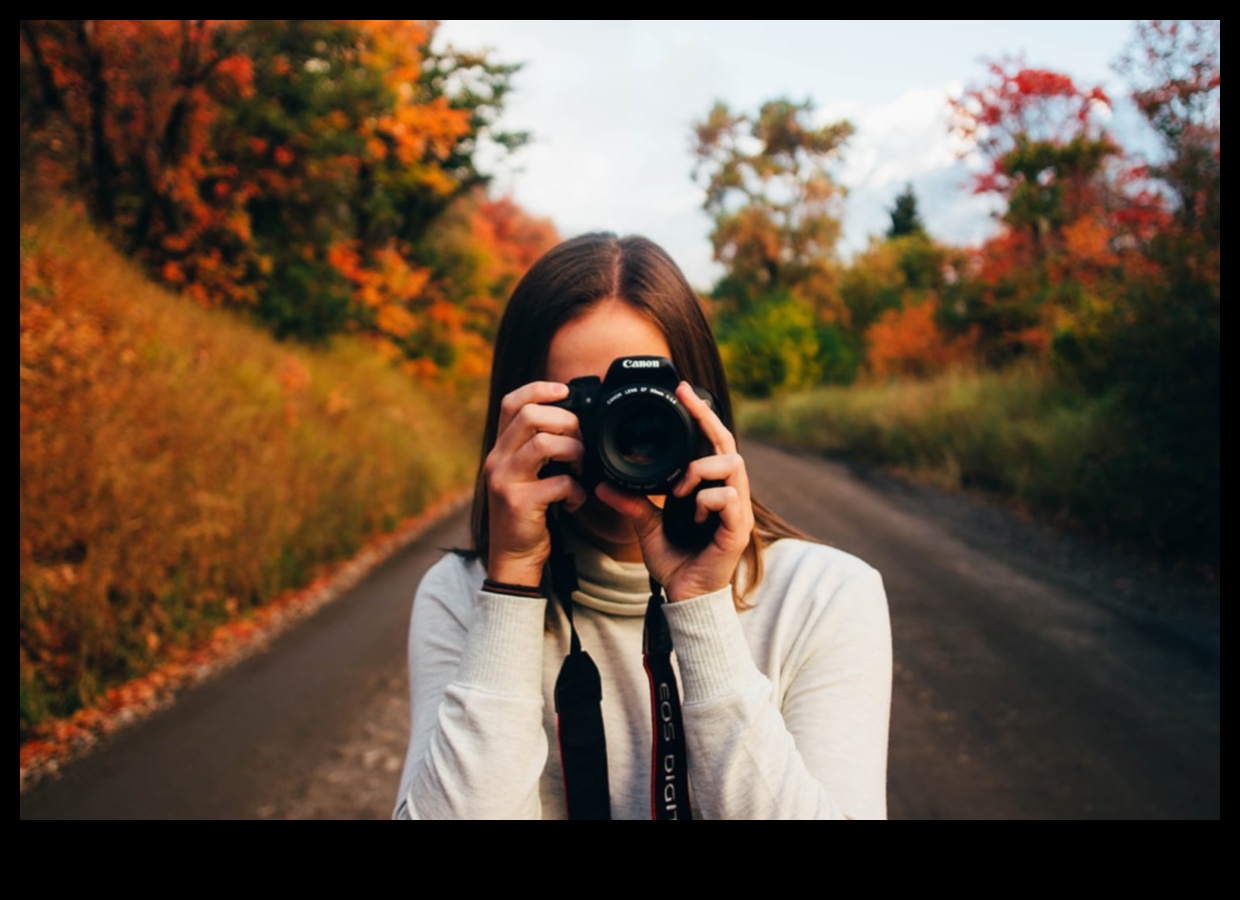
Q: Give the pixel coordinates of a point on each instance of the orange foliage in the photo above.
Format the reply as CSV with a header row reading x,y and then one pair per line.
x,y
178,467
358,136
509,241
907,341
136,102
1079,214
415,128
389,285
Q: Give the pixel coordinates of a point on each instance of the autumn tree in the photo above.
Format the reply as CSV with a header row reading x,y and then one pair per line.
x,y
1047,154
1175,70
775,206
1164,234
1042,139
770,347
477,251
120,113
292,168
353,149
124,103
906,342
1162,354
776,211
893,290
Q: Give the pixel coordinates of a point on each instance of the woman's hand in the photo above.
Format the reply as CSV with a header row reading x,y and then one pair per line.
x,y
530,436
682,574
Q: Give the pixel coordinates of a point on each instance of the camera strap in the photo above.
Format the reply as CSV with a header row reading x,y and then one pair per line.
x,y
669,775
578,705
578,702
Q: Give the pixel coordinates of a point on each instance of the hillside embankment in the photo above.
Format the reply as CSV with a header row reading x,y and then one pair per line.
x,y
181,469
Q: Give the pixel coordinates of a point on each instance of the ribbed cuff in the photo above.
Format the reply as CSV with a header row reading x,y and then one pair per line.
x,y
505,648
711,649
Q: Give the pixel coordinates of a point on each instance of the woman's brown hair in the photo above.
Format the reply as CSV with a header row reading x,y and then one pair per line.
x,y
567,280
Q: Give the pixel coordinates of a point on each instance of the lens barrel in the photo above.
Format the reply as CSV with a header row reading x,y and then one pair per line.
x,y
646,438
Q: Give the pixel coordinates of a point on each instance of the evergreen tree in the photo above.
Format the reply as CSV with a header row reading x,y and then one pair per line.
x,y
905,220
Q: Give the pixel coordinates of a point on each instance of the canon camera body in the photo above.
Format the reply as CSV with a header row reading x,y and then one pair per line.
x,y
639,437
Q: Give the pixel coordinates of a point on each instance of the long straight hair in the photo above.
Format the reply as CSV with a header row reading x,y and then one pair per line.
x,y
566,281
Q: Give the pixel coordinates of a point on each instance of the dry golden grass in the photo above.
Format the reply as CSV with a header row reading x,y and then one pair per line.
x,y
1019,434
178,466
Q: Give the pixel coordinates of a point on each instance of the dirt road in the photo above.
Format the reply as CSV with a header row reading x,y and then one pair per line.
x,y
1037,676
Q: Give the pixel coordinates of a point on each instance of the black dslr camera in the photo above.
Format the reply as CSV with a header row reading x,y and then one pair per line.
x,y
639,437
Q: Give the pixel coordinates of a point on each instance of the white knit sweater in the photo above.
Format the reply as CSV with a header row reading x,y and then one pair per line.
x,y
786,704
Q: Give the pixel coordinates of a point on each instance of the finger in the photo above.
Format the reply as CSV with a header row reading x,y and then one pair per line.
x,y
644,515
728,468
544,447
536,496
532,419
569,491
712,426
534,392
577,495
735,516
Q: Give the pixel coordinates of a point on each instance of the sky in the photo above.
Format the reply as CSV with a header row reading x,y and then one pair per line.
x,y
610,107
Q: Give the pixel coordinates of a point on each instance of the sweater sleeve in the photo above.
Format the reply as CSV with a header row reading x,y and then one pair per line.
x,y
817,751
477,745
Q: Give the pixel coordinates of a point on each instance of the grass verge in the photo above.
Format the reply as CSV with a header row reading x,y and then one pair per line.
x,y
1021,435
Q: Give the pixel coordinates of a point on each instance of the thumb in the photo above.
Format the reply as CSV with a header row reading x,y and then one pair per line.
x,y
644,515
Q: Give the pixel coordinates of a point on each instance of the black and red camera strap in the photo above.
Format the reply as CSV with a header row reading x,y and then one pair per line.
x,y
669,776
578,704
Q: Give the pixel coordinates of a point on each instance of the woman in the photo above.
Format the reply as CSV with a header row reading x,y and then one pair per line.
x,y
782,645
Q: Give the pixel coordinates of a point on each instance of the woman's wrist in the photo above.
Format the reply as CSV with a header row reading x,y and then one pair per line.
x,y
513,589
518,572
679,592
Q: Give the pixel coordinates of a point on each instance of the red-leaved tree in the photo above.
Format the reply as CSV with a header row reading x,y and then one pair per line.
x,y
1057,266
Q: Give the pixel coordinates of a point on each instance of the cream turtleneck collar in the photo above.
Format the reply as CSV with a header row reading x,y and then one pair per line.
x,y
606,584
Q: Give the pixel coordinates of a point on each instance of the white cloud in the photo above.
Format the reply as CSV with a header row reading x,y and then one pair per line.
x,y
908,141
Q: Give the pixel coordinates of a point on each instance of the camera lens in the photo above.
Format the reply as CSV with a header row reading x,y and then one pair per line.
x,y
641,441
645,441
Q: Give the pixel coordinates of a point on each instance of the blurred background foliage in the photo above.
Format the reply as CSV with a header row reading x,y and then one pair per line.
x,y
288,168
1099,293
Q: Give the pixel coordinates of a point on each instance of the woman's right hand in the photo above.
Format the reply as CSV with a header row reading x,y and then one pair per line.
x,y
530,436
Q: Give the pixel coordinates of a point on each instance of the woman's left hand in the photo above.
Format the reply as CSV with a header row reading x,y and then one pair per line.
x,y
682,574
